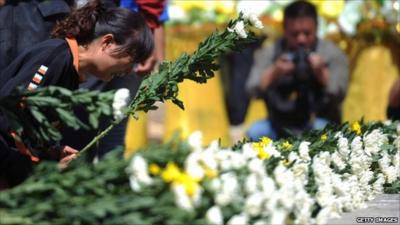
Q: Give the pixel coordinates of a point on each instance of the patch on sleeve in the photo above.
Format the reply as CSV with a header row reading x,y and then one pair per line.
x,y
42,69
37,78
32,86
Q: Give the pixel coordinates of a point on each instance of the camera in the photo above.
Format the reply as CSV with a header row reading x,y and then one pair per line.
x,y
302,65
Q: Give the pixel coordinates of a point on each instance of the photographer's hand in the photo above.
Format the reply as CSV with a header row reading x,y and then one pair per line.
x,y
319,68
282,66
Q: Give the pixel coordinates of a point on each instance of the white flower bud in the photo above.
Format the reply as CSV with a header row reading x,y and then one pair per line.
x,y
121,98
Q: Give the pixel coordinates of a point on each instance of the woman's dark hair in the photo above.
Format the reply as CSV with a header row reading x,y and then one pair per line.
x,y
300,9
93,20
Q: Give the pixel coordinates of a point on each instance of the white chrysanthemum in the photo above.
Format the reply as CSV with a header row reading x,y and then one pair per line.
x,y
357,145
391,174
238,161
341,187
283,176
238,219
325,195
286,196
377,187
268,186
373,141
208,157
250,185
138,171
260,222
303,151
230,183
252,18
270,149
343,145
215,184
193,167
323,215
338,161
182,200
248,151
293,156
223,199
214,216
384,162
365,177
300,170
396,160
256,166
239,29
195,140
325,158
226,164
278,217
222,155
254,204
120,102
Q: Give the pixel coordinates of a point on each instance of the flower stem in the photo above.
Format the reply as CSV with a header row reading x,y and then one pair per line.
x,y
100,136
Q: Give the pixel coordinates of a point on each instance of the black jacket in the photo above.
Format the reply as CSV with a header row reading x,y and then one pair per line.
x,y
47,63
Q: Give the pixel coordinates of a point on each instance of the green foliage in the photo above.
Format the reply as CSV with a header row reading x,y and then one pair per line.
x,y
199,67
38,115
93,194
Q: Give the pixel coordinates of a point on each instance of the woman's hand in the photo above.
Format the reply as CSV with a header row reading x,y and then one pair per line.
x,y
67,154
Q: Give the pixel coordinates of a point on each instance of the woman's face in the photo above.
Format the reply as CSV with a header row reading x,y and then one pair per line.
x,y
107,62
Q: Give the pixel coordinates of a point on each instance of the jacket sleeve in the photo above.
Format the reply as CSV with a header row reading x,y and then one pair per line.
x,y
263,58
14,166
42,67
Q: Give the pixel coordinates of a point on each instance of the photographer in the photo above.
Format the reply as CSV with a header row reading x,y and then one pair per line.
x,y
302,79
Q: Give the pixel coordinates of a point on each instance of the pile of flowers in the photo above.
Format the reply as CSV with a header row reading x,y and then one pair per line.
x,y
304,181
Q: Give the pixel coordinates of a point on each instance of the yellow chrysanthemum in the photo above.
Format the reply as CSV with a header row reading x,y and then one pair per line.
x,y
189,183
154,169
171,173
262,154
356,128
324,137
265,141
286,145
257,145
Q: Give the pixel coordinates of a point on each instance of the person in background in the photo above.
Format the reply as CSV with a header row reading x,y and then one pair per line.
x,y
155,14
93,40
393,108
302,79
24,23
